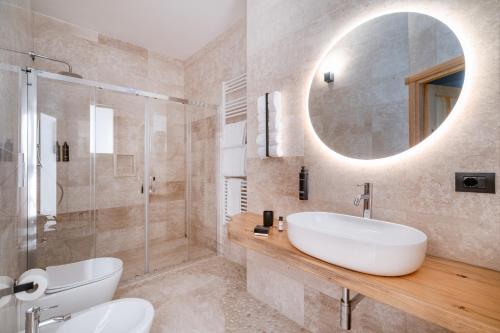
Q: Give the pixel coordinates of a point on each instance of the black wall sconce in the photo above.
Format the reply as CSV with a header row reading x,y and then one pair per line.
x,y
329,77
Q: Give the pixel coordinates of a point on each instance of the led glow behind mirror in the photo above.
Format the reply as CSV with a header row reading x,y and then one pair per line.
x,y
397,78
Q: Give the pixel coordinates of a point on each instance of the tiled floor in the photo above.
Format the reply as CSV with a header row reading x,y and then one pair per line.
x,y
163,254
208,295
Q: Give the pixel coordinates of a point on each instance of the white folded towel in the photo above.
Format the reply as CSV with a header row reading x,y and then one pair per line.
x,y
233,161
274,139
261,104
234,135
272,116
274,151
274,100
274,125
233,196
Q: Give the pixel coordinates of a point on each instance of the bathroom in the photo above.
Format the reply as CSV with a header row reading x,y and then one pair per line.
x,y
174,127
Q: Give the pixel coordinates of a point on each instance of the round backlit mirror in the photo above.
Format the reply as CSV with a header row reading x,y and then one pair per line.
x,y
386,85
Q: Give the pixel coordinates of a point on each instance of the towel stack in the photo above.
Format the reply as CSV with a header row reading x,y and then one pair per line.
x,y
234,150
269,116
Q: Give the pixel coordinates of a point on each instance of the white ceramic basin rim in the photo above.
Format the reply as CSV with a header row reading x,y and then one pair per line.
x,y
131,315
364,245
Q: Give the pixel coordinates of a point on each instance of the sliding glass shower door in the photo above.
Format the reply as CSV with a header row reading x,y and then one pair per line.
x,y
65,178
120,187
107,171
167,233
90,170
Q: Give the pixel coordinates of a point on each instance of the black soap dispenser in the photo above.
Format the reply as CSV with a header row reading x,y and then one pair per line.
x,y
65,152
303,184
58,152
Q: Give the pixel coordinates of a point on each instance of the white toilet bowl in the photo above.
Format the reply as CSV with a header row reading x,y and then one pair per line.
x,y
78,286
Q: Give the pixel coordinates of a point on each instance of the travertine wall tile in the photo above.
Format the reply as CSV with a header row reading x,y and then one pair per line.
x,y
269,281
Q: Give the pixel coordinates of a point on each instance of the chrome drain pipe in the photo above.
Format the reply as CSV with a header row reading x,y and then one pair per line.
x,y
347,305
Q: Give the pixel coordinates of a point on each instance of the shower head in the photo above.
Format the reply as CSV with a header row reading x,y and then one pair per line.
x,y
71,74
33,55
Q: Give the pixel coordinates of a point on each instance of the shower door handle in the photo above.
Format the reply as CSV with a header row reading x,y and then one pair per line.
x,y
152,179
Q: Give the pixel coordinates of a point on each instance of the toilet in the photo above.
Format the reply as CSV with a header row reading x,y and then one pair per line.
x,y
78,286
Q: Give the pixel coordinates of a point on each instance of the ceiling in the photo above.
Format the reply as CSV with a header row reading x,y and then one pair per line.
x,y
177,28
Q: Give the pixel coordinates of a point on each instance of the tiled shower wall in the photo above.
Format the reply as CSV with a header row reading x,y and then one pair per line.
x,y
120,213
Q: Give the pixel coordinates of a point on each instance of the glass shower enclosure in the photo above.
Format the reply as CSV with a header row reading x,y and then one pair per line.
x,y
90,169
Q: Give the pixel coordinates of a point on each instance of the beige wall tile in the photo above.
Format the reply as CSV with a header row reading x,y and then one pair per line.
x,y
271,286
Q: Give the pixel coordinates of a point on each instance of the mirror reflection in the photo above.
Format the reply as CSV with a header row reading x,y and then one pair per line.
x,y
386,85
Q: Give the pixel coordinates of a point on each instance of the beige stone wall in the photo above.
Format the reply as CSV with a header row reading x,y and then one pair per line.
x,y
220,60
286,39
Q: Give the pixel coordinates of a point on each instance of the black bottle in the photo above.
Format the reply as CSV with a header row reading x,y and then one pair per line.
x,y
7,150
58,152
303,184
65,152
268,218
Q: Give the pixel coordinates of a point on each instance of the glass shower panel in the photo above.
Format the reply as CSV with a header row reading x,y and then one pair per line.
x,y
202,188
13,250
167,244
119,179
66,221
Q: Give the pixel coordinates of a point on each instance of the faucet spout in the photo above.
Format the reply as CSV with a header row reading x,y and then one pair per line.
x,y
367,200
33,323
55,320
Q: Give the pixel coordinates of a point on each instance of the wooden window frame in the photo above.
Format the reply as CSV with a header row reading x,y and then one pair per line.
x,y
416,88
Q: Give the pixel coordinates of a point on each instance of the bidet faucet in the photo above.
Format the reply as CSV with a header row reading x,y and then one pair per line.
x,y
367,200
33,323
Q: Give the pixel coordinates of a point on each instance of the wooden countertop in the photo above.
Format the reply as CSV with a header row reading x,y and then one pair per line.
x,y
460,297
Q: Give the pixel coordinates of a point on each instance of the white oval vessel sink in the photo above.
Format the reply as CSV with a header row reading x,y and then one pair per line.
x,y
131,315
364,245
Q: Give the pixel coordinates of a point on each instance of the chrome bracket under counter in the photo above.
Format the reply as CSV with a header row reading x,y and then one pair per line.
x,y
347,305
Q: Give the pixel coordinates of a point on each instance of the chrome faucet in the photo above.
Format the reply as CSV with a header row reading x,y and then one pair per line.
x,y
33,323
367,200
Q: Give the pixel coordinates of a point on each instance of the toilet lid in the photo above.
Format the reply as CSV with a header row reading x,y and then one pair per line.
x,y
63,277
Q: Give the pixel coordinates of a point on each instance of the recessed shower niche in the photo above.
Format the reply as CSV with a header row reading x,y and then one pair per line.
x,y
386,85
